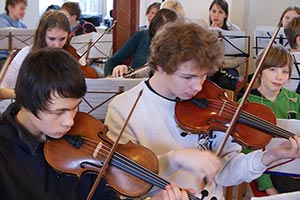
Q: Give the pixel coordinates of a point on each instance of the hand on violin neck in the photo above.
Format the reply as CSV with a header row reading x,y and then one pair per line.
x,y
286,150
204,165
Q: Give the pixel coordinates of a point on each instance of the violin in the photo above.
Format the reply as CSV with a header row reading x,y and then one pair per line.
x,y
132,171
88,71
6,64
211,109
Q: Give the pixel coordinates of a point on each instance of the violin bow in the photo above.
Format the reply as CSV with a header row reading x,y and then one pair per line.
x,y
247,91
113,148
135,71
96,41
6,64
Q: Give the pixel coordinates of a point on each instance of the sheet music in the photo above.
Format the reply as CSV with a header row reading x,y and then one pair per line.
x,y
287,196
292,168
262,36
235,43
15,38
99,92
102,49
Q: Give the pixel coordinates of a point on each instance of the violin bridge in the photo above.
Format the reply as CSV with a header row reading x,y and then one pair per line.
x,y
222,108
98,147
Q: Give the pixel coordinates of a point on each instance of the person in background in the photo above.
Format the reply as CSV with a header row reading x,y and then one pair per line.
x,y
30,121
274,74
288,14
52,31
151,11
228,76
183,54
15,11
218,16
292,33
78,26
175,5
53,7
137,47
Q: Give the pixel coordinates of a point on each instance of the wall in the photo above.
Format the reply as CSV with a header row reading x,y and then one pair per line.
x,y
266,12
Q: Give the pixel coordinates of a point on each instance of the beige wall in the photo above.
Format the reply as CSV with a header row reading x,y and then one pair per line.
x,y
263,12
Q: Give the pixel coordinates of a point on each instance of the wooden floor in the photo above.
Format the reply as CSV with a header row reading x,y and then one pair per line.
x,y
235,194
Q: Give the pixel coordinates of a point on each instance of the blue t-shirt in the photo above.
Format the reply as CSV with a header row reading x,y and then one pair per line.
x,y
7,21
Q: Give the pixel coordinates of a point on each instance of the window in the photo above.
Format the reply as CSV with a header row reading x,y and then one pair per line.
x,y
91,7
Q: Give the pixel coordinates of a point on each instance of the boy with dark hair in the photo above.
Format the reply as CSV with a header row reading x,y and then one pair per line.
x,y
49,89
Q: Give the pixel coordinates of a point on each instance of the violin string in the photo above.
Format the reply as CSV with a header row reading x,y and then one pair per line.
x,y
121,159
139,170
267,125
252,118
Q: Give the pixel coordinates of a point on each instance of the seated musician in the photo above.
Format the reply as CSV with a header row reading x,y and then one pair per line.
x,y
47,100
52,31
228,76
137,46
183,54
274,74
288,14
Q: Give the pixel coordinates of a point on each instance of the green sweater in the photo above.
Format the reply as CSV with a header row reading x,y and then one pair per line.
x,y
137,48
286,106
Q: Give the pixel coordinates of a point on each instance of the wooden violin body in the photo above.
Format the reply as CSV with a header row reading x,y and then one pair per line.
x,y
133,168
211,110
89,156
88,71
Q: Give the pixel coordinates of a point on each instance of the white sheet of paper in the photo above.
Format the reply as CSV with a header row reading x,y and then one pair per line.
x,y
102,49
17,38
293,167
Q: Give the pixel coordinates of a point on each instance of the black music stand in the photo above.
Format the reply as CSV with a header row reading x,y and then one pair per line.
x,y
235,43
262,36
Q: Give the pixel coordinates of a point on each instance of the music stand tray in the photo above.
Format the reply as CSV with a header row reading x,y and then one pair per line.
x,y
235,43
262,36
15,38
101,50
101,91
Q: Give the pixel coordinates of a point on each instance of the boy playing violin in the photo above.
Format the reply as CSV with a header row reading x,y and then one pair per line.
x,y
273,76
46,103
183,54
